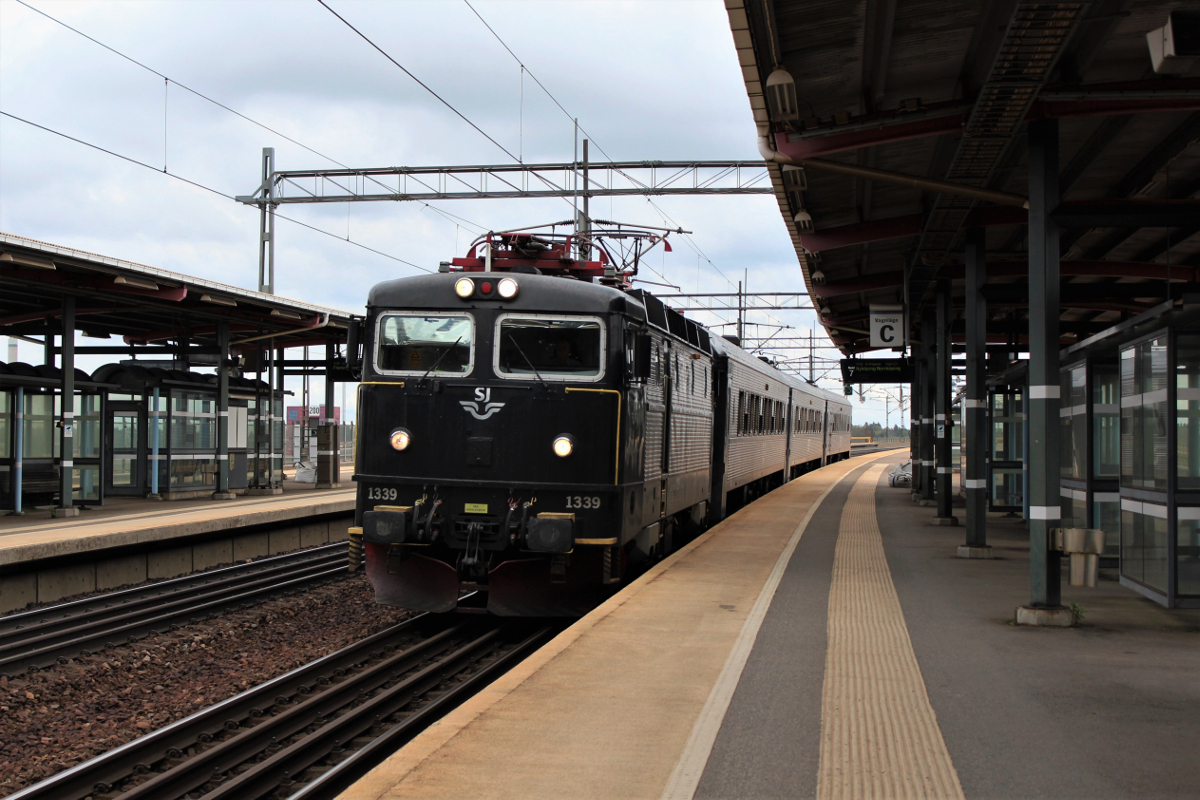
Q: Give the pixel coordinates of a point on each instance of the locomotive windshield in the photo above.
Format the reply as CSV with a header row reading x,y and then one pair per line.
x,y
555,348
420,343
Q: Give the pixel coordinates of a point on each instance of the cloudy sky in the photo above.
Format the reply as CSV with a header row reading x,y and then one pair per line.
x,y
647,80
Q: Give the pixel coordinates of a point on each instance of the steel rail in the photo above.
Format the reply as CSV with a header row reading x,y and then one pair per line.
x,y
40,647
266,776
344,774
105,770
240,747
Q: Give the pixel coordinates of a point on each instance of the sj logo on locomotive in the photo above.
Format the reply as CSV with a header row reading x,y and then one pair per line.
x,y
482,406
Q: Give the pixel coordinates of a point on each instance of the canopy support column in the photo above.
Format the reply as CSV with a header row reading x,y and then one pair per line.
x,y
928,382
974,434
943,419
222,492
66,423
328,453
1045,578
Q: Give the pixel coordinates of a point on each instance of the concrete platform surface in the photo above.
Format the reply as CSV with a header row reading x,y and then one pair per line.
x,y
606,709
140,521
827,641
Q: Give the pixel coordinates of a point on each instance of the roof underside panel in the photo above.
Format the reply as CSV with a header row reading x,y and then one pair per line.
x,y
900,59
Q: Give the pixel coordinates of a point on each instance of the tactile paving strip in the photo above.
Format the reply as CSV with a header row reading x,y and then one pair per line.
x,y
879,734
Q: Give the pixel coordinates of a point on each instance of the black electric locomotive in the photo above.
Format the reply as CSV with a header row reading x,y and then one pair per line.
x,y
531,428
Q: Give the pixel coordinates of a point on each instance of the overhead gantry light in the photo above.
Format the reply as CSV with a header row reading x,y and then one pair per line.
x,y
804,221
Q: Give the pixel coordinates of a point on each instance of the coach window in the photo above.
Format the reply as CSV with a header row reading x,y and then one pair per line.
x,y
530,347
416,344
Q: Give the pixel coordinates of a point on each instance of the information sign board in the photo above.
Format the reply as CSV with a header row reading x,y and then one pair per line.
x,y
876,370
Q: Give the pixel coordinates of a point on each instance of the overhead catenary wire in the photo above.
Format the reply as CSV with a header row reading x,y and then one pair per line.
x,y
666,217
168,81
525,69
421,83
191,182
186,88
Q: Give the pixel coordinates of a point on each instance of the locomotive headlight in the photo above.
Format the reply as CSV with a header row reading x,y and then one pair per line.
x,y
507,288
564,445
464,287
400,439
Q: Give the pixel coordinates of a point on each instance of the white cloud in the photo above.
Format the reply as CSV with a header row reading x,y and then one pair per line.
x,y
648,80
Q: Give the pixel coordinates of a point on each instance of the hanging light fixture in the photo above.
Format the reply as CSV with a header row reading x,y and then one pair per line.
x,y
781,96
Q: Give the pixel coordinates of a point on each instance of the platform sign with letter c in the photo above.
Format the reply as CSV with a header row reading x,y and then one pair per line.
x,y
887,328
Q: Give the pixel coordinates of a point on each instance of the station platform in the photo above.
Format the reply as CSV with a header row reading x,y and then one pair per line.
x,y
130,540
825,641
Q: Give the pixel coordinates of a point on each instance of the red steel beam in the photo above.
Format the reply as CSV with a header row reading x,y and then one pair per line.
x,y
861,232
1104,100
897,227
1013,269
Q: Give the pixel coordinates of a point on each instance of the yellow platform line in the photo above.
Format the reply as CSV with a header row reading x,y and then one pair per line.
x,y
879,734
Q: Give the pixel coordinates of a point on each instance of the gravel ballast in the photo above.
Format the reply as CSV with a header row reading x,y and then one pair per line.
x,y
63,715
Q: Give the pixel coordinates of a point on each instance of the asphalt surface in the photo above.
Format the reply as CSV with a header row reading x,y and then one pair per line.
x,y
1105,710
770,743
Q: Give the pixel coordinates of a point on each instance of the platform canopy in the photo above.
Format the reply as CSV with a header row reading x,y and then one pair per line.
x,y
892,94
145,307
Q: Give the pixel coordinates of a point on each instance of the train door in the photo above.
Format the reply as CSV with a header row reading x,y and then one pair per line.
x,y
826,424
668,419
787,441
1005,449
125,437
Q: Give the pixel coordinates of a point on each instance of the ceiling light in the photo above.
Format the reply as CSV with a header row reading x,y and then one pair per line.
x,y
794,178
804,221
781,95
27,261
219,301
1175,47
137,283
275,312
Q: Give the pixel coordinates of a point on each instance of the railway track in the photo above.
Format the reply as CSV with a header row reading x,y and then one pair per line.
x,y
315,730
35,639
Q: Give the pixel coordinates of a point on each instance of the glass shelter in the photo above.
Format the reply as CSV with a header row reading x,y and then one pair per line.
x,y
35,445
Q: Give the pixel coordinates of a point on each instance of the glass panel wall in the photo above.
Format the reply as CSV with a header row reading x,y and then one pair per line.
x,y
1187,552
7,401
1144,543
1187,412
1144,415
1106,515
193,441
1106,421
40,441
1073,423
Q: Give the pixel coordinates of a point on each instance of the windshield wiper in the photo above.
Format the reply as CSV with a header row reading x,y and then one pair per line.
x,y
527,361
439,359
